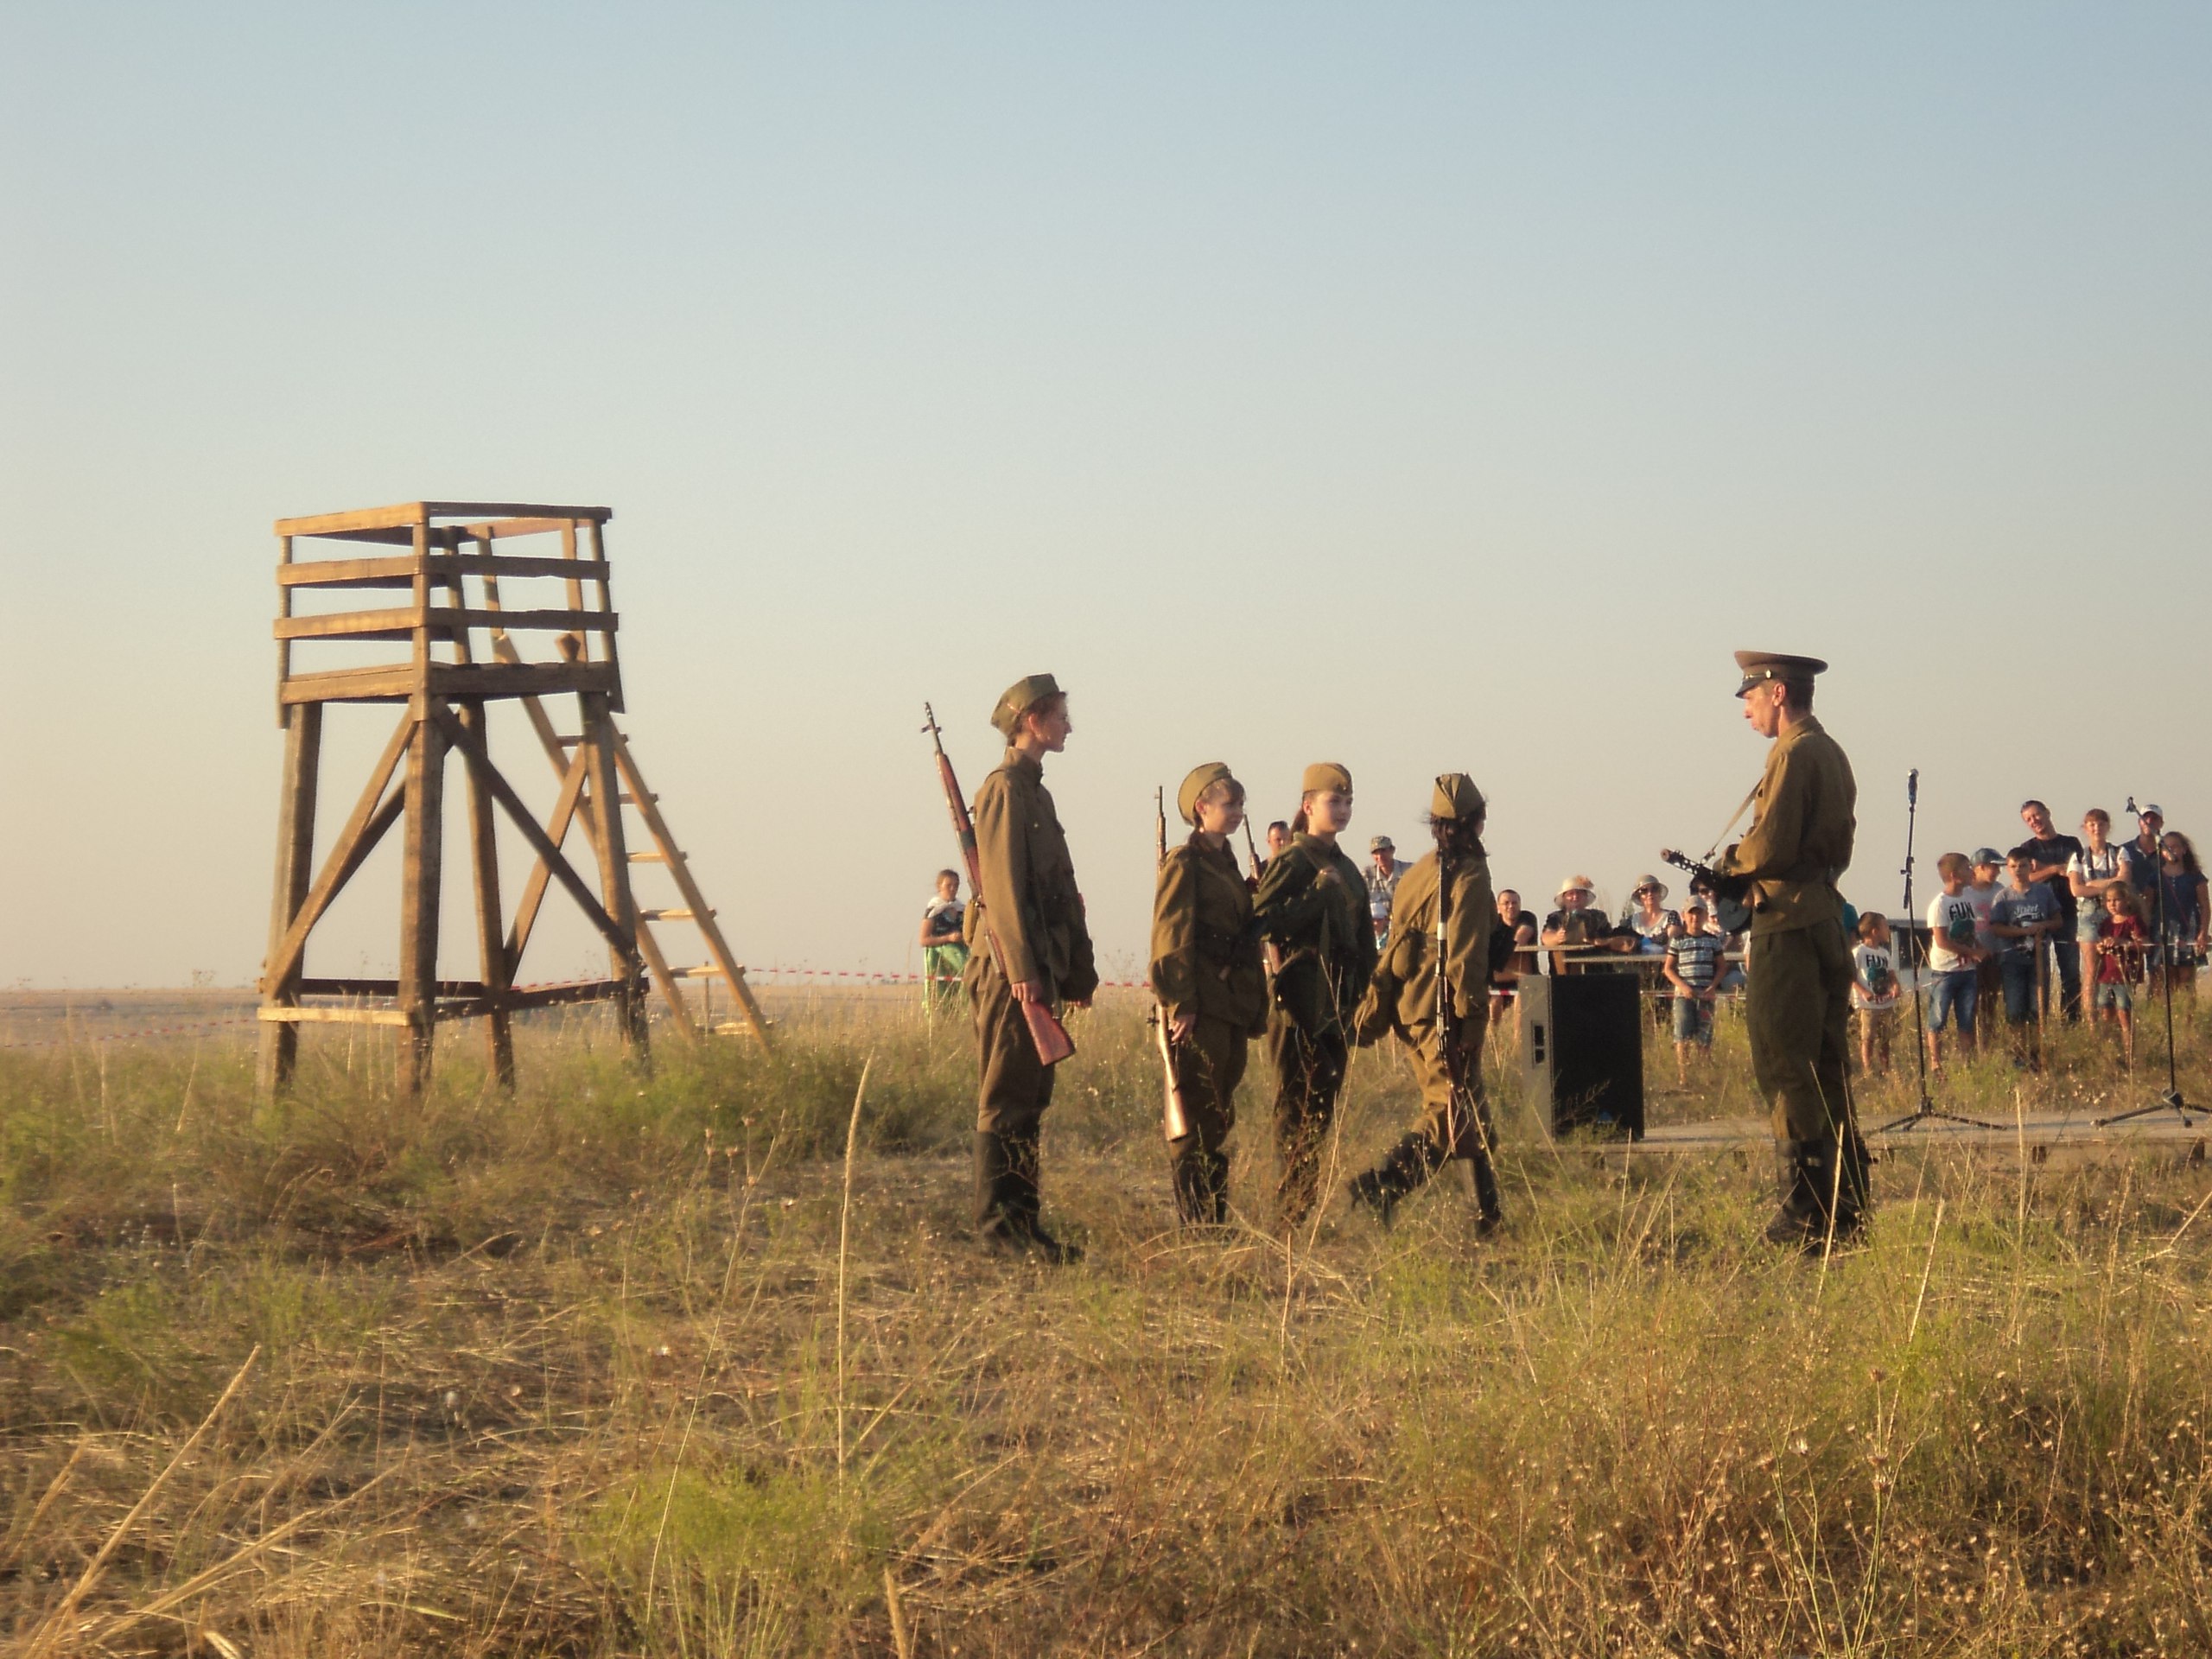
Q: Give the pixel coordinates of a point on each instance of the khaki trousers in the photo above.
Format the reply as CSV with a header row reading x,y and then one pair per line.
x,y
1797,1010
1455,1122
1015,1087
1210,1064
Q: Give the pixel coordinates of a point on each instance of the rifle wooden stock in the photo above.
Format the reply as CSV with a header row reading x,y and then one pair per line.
x,y
1046,1034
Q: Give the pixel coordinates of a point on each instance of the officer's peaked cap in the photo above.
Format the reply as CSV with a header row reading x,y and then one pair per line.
x,y
1760,666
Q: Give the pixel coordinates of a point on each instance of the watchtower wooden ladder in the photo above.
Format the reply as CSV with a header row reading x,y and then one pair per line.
x,y
446,698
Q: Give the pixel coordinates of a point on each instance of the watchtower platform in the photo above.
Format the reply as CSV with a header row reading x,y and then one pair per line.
x,y
461,631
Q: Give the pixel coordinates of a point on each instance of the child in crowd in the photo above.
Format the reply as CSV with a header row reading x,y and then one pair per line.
x,y
1952,954
1874,994
1692,968
1988,881
2023,914
2119,956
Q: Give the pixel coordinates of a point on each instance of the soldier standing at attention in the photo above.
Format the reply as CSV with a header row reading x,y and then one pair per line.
x,y
1454,1127
1797,1005
1028,899
1311,905
1212,990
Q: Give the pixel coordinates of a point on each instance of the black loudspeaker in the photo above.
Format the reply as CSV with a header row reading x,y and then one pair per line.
x,y
1582,1052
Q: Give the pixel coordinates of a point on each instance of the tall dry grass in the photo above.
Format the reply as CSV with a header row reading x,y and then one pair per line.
x,y
562,1374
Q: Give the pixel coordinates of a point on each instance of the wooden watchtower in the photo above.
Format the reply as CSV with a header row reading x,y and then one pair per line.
x,y
450,559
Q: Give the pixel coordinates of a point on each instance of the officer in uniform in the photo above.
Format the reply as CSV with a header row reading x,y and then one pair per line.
x,y
1454,1128
1212,990
1797,1004
1312,906
1027,899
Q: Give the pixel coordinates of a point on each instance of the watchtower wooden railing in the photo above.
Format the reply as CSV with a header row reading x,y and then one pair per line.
x,y
446,684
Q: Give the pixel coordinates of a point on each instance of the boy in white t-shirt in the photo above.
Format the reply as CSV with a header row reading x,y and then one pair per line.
x,y
1874,994
1952,956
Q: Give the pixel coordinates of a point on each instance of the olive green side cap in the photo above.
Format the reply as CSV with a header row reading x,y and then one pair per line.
x,y
1019,698
1456,797
1325,775
1201,779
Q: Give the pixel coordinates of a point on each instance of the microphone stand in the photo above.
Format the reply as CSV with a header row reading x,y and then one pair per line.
x,y
2171,1100
1927,1109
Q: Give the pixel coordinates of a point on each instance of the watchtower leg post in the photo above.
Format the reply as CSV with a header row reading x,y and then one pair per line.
x,y
418,900
280,1042
606,784
491,932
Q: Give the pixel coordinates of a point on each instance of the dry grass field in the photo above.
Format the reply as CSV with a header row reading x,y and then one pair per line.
x,y
633,1364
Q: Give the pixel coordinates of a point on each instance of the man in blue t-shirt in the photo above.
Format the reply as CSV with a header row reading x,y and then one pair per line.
x,y
2022,918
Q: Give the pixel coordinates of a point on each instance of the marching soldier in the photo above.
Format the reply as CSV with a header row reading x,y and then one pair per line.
x,y
1212,990
1407,997
1311,905
1028,897
1797,1004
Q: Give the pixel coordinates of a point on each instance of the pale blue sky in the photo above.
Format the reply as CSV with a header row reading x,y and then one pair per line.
x,y
1421,387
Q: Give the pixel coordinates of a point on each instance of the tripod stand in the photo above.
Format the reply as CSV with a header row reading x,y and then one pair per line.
x,y
2171,1100
1927,1109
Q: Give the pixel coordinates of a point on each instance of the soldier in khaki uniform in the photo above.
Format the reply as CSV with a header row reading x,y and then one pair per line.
x,y
1311,905
1028,899
1454,1127
1797,1003
1212,990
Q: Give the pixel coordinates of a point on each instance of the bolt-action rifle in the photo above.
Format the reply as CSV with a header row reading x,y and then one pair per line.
x,y
1175,1116
1049,1036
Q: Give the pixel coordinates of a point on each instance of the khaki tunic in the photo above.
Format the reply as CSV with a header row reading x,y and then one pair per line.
x,y
1028,896
1403,996
1326,935
1206,962
1797,997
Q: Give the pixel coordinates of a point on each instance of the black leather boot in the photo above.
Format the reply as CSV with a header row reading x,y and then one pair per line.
x,y
1022,1189
1476,1176
1406,1166
998,1214
1217,1189
1190,1174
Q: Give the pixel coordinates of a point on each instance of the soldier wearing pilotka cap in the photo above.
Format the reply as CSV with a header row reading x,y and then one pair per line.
x,y
1454,1130
1028,897
1797,1004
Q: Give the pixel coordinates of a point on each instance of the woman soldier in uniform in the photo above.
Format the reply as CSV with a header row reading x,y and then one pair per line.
x,y
1454,1125
1213,991
1311,905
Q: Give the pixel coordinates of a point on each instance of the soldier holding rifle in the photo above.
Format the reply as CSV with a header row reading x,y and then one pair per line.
x,y
1025,899
1213,991
1312,906
1432,989
1797,1004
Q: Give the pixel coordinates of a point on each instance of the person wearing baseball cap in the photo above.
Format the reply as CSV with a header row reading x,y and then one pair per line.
x,y
1797,1004
1212,990
1312,906
2141,854
1384,869
1981,890
1028,897
1409,996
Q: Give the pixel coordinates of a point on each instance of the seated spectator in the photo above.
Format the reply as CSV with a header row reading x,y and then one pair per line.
x,y
1577,925
1646,920
2118,950
944,950
1693,969
1989,991
2048,855
1874,993
2024,915
2183,914
2090,874
1520,926
1952,954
